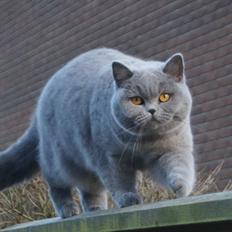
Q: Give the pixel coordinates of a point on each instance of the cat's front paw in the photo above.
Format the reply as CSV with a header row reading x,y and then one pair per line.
x,y
180,188
128,199
68,210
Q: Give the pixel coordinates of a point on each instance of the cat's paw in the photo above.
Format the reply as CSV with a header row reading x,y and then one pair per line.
x,y
180,188
68,210
128,199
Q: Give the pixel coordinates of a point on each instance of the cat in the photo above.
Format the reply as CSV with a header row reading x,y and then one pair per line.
x,y
101,118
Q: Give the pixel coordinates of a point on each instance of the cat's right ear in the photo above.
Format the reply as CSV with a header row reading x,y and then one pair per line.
x,y
120,73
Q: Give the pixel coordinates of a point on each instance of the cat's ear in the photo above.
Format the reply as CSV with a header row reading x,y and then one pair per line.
x,y
120,72
174,67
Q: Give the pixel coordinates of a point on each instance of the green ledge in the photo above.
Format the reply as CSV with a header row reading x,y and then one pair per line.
x,y
205,209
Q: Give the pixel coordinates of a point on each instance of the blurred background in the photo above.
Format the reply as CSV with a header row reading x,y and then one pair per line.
x,y
38,37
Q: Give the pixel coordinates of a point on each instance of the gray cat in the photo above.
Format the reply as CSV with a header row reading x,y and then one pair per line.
x,y
101,118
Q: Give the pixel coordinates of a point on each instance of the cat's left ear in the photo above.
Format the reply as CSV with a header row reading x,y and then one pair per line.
x,y
121,73
174,67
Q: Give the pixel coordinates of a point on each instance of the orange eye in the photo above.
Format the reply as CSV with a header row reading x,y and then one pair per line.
x,y
137,100
164,97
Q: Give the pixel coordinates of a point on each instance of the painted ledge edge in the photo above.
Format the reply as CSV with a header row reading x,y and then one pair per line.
x,y
214,207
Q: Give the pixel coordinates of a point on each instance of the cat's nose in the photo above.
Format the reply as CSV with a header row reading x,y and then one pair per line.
x,y
151,111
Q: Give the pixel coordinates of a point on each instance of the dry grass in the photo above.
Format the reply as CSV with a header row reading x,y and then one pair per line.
x,y
26,202
29,201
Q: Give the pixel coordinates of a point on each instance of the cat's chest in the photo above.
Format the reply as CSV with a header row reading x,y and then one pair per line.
x,y
148,145
141,154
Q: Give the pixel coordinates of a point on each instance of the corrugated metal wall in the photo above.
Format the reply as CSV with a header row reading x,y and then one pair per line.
x,y
38,37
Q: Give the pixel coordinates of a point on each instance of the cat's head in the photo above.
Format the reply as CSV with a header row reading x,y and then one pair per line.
x,y
152,96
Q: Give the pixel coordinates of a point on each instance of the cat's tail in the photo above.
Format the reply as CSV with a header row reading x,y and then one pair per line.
x,y
19,161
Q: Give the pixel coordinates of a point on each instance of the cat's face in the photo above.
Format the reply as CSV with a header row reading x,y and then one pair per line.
x,y
154,100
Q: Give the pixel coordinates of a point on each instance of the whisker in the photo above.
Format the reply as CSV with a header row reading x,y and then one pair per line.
x,y
129,128
134,150
124,150
126,147
143,119
166,111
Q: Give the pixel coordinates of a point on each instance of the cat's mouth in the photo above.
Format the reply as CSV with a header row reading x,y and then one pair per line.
x,y
146,123
163,118
155,119
152,122
141,121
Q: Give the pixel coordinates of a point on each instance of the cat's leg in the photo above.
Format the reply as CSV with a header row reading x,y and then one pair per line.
x,y
93,194
175,171
92,201
120,180
63,202
53,171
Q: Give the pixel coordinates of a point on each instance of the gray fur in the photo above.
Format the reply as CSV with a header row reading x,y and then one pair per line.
x,y
92,137
19,161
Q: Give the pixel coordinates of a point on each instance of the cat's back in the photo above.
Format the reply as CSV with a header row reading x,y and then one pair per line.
x,y
78,79
88,68
99,60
